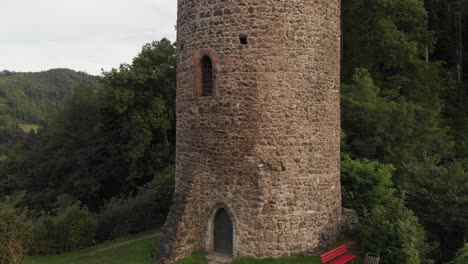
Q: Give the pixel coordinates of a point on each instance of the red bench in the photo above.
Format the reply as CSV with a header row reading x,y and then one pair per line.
x,y
340,253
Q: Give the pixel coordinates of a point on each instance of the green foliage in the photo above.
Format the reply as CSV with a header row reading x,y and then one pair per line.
x,y
410,103
440,199
69,227
393,131
139,106
366,184
33,98
386,225
143,211
16,230
384,36
71,143
394,232
462,256
105,142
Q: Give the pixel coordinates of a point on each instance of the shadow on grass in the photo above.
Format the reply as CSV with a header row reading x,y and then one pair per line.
x,y
196,258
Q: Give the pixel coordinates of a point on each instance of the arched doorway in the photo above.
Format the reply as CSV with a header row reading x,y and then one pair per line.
x,y
222,232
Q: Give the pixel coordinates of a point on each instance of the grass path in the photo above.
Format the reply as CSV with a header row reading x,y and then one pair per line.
x,y
122,244
136,249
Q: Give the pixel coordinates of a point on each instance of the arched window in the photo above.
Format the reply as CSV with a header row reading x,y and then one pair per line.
x,y
207,76
206,69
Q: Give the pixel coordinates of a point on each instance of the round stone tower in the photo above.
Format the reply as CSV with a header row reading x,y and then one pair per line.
x,y
258,129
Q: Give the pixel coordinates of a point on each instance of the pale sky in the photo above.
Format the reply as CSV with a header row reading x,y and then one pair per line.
x,y
83,35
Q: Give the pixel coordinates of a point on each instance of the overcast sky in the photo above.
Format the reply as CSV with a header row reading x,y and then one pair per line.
x,y
84,35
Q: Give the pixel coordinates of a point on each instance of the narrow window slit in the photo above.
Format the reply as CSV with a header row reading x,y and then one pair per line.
x,y
243,39
207,76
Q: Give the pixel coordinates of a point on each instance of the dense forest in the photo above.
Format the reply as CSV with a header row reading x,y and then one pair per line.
x,y
104,164
29,100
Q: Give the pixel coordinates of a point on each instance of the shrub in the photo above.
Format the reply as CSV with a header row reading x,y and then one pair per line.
x,y
394,232
387,227
15,230
462,256
69,228
143,211
366,184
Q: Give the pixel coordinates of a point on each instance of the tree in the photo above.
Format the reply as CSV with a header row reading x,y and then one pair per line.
x,y
385,37
440,199
139,112
391,131
386,225
105,142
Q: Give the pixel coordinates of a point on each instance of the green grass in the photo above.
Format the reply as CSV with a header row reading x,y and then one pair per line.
x,y
196,258
2,157
137,252
290,260
352,247
199,258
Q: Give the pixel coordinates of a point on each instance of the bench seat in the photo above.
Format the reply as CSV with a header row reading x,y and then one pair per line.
x,y
338,255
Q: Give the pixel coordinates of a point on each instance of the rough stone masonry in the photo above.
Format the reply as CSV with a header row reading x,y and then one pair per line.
x,y
265,146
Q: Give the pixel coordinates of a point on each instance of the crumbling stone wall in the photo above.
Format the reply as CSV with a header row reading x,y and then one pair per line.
x,y
266,146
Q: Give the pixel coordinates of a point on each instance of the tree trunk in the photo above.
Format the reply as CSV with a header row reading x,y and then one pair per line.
x,y
459,14
166,137
450,243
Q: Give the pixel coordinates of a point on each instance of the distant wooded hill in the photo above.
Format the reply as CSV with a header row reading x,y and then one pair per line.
x,y
28,100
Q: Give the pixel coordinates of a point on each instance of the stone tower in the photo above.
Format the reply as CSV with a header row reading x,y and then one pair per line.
x,y
258,128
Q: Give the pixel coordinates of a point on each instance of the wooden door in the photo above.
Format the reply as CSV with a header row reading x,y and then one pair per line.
x,y
223,232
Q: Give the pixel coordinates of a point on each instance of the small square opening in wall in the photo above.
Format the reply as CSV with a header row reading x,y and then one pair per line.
x,y
243,39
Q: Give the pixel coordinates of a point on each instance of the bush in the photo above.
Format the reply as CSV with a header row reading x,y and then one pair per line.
x,y
69,228
366,184
438,194
387,227
143,211
462,256
15,231
394,232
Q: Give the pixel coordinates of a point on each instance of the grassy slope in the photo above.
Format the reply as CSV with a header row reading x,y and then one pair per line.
x,y
138,252
141,252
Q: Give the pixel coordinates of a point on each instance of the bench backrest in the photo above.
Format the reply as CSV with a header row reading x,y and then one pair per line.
x,y
334,253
